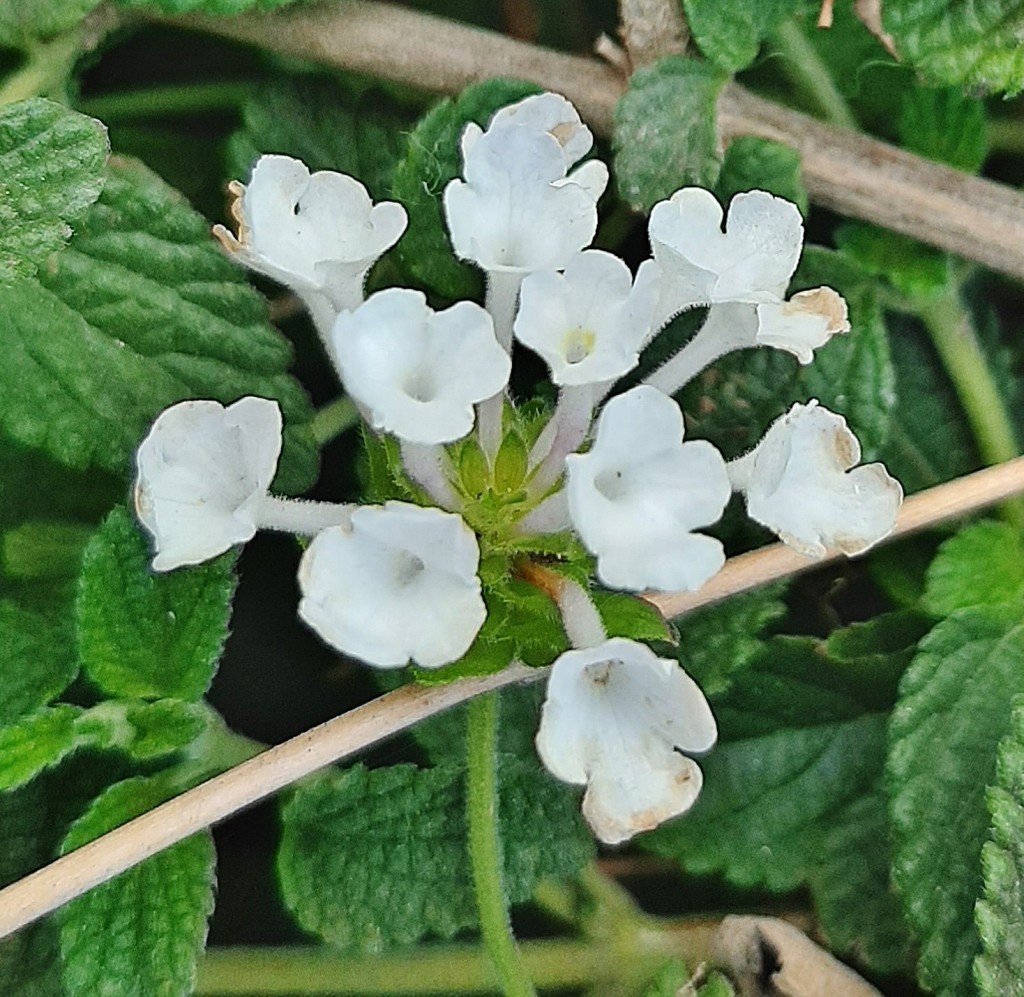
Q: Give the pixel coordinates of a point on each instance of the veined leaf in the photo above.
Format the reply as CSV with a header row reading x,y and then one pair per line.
x,y
730,32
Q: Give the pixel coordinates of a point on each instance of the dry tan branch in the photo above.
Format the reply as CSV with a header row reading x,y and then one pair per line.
x,y
851,173
252,781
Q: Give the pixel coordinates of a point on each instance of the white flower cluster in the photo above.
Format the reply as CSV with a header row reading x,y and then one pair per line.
x,y
399,583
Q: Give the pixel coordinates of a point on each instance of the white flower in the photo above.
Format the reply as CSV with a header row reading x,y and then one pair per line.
x,y
752,260
516,209
616,718
802,324
418,372
400,584
318,234
203,471
636,496
799,484
590,322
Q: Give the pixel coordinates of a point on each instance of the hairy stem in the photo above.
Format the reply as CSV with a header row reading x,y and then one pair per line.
x,y
333,419
485,855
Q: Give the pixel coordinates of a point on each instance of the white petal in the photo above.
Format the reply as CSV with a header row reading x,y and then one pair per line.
x,y
551,113
201,470
615,718
400,584
417,372
804,323
800,485
752,260
636,497
318,232
588,323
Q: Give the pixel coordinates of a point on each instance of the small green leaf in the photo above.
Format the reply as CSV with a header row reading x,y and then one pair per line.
x,y
36,742
52,169
431,161
983,565
370,860
37,659
146,635
139,311
975,45
665,136
730,32
917,270
630,616
759,164
510,463
143,932
999,968
328,123
945,125
143,731
954,708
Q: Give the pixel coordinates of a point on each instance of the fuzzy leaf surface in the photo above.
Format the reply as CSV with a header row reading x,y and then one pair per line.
x,y
730,32
946,125
975,45
432,159
143,932
954,708
139,311
148,635
374,859
999,967
664,136
983,565
51,161
759,164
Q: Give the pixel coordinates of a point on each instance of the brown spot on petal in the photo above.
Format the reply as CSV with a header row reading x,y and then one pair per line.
x,y
844,443
822,301
563,132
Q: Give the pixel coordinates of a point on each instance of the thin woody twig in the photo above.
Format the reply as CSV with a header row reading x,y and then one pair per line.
x,y
219,798
849,172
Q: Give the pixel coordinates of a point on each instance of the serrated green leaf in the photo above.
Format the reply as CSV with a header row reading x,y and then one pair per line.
x,y
945,125
37,658
999,968
665,134
139,311
374,859
983,565
143,932
146,635
975,45
327,123
954,707
630,616
37,741
717,643
143,731
730,32
432,159
759,164
51,162
535,623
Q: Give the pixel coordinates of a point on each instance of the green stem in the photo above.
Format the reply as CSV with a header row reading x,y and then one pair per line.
x,y
333,419
805,67
485,847
45,71
952,332
193,98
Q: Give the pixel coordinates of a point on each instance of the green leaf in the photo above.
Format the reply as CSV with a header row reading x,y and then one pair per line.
x,y
37,659
51,161
328,123
945,125
999,967
431,161
139,311
975,45
917,270
43,548
730,32
665,134
717,643
983,565
759,164
149,635
370,860
37,741
143,932
954,708
23,23
630,616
